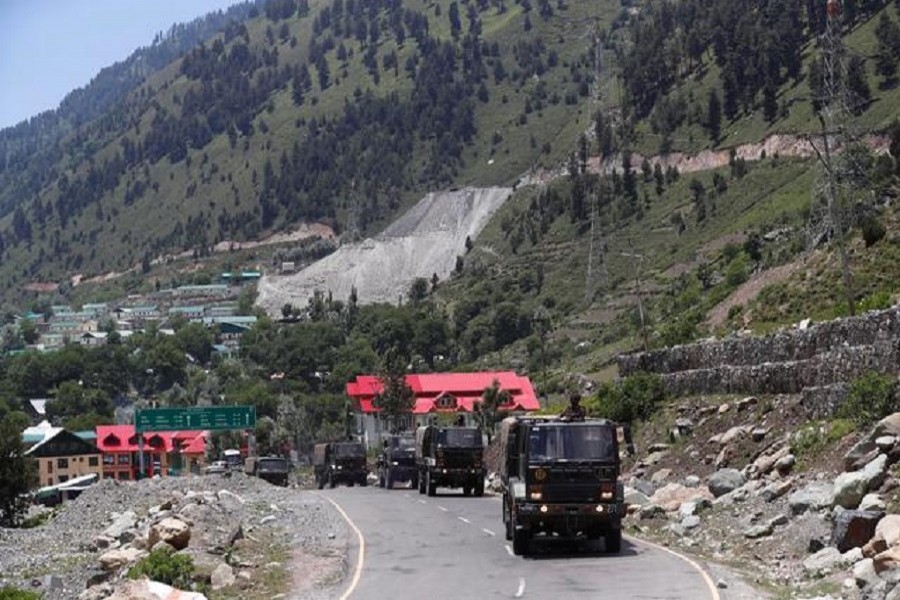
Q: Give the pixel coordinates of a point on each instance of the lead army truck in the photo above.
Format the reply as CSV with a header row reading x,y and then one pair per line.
x,y
339,462
450,457
560,478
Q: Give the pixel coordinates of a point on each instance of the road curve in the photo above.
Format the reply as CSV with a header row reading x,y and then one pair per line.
x,y
451,547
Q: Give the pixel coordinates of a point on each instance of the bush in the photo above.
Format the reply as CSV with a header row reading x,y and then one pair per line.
x,y
12,593
634,398
166,567
872,397
872,230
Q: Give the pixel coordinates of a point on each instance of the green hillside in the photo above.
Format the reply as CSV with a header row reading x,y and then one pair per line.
x,y
339,112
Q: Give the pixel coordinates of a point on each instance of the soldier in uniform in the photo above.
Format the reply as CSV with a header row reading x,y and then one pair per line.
x,y
574,412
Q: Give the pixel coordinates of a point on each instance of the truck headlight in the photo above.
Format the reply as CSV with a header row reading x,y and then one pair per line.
x,y
606,496
518,490
544,508
536,495
394,463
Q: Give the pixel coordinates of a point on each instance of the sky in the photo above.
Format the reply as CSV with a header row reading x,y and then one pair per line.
x,y
50,47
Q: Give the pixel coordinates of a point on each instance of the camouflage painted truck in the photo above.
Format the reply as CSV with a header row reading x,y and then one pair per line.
x,y
340,462
560,479
450,457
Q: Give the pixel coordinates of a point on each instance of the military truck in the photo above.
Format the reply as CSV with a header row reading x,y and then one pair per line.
x,y
450,457
560,479
397,461
339,462
273,469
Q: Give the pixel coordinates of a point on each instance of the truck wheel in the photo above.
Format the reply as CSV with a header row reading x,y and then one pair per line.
x,y
421,484
389,482
363,482
381,481
507,521
479,487
521,538
331,482
613,541
414,482
467,491
321,482
432,486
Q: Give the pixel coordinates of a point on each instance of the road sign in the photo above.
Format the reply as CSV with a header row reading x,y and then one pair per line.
x,y
195,418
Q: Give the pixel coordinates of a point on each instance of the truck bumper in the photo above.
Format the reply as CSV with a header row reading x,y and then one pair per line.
x,y
456,477
569,520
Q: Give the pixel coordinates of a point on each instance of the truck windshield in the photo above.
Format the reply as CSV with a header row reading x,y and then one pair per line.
x,y
403,444
459,437
349,450
272,465
571,442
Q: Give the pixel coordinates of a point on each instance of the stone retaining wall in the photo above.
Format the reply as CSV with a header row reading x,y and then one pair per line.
x,y
792,361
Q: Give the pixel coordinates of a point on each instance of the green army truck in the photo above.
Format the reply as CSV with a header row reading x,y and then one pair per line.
x,y
560,479
450,457
340,462
397,461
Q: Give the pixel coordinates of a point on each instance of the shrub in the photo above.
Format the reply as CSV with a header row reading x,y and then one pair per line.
x,y
12,593
872,229
166,567
633,398
871,398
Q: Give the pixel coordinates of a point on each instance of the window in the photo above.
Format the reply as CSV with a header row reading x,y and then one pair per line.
x,y
80,459
109,459
63,478
92,461
50,466
124,459
62,463
49,481
124,475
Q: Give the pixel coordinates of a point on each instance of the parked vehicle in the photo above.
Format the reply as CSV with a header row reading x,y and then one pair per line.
x,y
340,462
397,461
233,458
216,467
450,457
561,477
273,469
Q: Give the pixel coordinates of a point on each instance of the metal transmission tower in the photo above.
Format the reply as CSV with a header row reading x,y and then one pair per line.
x,y
826,215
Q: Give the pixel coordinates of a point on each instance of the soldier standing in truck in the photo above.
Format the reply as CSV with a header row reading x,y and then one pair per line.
x,y
574,412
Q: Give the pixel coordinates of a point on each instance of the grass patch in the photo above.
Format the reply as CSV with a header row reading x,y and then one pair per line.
x,y
166,567
815,437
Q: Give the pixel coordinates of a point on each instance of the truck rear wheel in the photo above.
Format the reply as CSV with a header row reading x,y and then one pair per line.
x,y
389,480
507,521
479,487
331,482
432,486
421,483
320,481
613,541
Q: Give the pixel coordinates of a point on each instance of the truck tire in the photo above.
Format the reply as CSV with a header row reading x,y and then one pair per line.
x,y
467,491
320,480
389,480
613,541
479,487
331,482
421,483
364,481
381,481
507,521
431,485
521,539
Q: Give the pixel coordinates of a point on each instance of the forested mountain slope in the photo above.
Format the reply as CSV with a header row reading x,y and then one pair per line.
x,y
339,111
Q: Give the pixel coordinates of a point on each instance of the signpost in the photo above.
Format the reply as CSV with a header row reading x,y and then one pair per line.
x,y
195,418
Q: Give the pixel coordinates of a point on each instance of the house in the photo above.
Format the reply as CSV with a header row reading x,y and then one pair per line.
x,y
188,312
93,338
143,313
451,394
165,452
36,409
61,455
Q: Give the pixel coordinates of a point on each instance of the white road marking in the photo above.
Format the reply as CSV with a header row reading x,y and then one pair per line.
x,y
489,532
464,520
713,591
361,555
442,508
423,501
521,591
509,550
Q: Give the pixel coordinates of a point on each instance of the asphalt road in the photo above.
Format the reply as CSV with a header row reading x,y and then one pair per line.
x,y
452,547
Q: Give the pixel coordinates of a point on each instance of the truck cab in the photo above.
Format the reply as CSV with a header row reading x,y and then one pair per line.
x,y
340,462
450,457
397,461
273,469
560,478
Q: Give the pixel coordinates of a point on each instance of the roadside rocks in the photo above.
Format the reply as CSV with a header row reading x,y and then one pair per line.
x,y
813,497
724,481
850,488
119,558
172,531
854,528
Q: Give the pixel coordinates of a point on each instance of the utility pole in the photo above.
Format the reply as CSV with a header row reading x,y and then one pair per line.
x,y
639,264
830,221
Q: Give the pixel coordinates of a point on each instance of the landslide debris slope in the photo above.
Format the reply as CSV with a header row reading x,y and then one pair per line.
x,y
423,242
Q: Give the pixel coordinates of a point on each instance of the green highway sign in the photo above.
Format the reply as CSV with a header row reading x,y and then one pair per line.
x,y
195,418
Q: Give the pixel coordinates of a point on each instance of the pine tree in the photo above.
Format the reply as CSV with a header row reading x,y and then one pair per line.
x,y
714,116
396,399
17,474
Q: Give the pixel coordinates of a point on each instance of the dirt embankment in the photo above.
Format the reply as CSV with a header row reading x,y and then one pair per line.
x,y
423,242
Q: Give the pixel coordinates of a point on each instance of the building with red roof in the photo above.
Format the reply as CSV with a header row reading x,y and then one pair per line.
x,y
165,452
440,394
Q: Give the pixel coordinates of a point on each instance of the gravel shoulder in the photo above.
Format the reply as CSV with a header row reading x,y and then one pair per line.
x,y
281,542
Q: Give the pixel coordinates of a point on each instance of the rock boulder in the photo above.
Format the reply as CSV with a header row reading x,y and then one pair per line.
x,y
724,481
854,528
173,531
